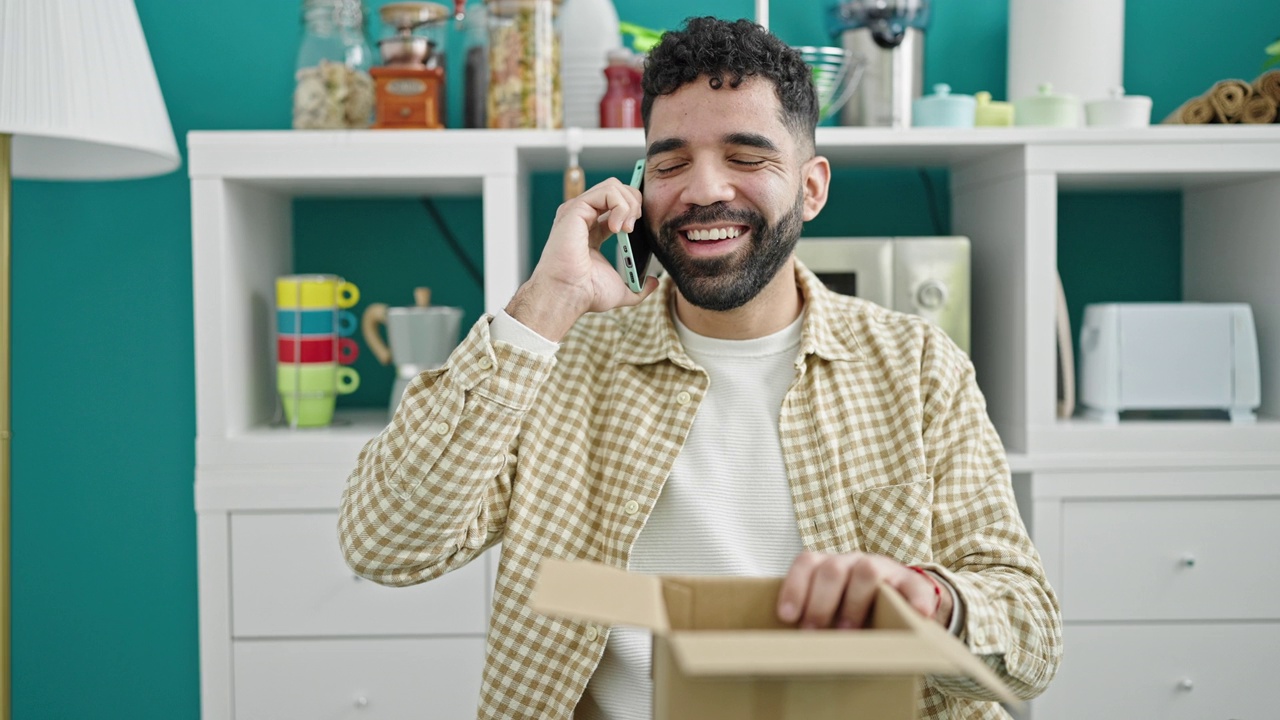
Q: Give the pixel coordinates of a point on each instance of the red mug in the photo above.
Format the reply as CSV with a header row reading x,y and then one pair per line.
x,y
299,349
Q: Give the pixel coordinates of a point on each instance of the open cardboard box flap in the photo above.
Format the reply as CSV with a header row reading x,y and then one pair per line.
x,y
727,626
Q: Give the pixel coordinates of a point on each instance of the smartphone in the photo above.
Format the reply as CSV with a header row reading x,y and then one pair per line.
x,y
635,248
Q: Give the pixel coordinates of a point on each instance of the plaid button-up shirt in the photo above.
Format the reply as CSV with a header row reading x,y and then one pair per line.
x,y
884,433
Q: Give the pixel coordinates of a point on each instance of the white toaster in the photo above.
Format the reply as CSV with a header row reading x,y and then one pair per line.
x,y
1169,356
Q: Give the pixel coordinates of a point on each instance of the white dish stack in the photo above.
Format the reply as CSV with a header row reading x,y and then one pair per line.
x,y
590,31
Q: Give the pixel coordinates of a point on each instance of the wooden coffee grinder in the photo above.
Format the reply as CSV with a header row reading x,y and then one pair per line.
x,y
410,83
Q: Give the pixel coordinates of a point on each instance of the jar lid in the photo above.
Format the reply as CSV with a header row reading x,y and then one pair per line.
x,y
1117,97
619,56
942,91
1045,91
888,20
1046,98
497,6
408,15
943,98
984,100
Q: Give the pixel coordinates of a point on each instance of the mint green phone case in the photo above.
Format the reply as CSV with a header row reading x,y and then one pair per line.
x,y
630,269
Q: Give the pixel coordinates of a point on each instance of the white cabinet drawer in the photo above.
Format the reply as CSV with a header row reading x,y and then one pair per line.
x,y
357,679
1164,672
1170,559
288,578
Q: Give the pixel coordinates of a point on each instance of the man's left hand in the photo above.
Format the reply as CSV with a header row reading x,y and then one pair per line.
x,y
822,591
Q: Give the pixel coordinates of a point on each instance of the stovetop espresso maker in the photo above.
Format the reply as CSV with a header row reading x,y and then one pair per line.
x,y
421,337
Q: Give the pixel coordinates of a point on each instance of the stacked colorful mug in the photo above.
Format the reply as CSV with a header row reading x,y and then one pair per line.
x,y
314,347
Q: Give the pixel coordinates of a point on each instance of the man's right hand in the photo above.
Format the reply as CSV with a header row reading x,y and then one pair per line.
x,y
573,277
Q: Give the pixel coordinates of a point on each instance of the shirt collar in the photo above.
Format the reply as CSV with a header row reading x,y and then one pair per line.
x,y
649,330
828,330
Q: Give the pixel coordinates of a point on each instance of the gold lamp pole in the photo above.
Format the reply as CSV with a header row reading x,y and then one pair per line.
x,y
5,665
115,125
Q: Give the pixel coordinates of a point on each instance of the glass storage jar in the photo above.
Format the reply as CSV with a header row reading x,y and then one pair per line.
x,y
475,101
332,85
524,64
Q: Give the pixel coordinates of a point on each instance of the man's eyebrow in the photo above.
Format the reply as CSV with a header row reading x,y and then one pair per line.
x,y
665,145
755,140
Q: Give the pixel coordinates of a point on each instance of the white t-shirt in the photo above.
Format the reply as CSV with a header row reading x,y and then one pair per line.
x,y
725,509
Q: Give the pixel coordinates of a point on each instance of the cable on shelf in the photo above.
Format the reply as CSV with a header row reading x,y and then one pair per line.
x,y
934,213
452,241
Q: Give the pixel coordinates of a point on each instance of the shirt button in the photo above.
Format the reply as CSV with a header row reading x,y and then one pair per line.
x,y
683,398
979,636
631,508
440,428
592,634
485,363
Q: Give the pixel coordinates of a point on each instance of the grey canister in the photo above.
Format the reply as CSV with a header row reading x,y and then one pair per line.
x,y
887,36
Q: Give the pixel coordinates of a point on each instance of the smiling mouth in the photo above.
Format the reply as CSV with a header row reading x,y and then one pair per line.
x,y
715,234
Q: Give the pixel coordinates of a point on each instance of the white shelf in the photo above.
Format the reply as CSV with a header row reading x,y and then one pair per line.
x,y
1005,184
1251,442
278,155
337,155
274,444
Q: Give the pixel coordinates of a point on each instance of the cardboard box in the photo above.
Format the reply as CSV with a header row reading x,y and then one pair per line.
x,y
719,650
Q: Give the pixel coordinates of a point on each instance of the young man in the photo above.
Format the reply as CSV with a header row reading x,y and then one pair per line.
x,y
736,418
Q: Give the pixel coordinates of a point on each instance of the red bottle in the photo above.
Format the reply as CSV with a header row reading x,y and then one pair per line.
x,y
620,106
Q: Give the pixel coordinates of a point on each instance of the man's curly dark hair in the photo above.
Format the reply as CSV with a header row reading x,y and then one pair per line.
x,y
732,51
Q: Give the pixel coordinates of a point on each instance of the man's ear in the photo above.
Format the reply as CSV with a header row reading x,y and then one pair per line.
x,y
817,179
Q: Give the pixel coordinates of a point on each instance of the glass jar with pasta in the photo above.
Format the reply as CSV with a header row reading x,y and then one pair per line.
x,y
524,64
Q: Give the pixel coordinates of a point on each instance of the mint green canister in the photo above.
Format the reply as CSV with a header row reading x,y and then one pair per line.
x,y
1046,109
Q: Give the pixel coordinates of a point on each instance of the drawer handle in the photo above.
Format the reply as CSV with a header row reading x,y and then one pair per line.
x,y
1186,685
362,701
1187,561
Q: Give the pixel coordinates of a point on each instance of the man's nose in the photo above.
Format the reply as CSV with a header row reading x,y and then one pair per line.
x,y
707,184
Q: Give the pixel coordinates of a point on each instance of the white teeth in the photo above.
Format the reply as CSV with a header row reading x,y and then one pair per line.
x,y
714,234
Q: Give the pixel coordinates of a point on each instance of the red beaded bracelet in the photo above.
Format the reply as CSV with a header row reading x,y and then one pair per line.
x,y
937,588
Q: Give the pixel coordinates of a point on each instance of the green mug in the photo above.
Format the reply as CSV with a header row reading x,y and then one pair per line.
x,y
308,391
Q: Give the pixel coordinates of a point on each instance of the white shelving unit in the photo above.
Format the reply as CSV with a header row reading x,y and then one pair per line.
x,y
1004,184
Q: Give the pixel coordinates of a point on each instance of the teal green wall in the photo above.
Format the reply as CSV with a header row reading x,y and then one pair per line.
x,y
104,560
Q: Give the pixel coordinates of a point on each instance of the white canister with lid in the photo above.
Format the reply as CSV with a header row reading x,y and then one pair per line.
x,y
1119,110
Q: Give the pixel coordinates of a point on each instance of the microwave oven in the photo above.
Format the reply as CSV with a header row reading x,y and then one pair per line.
x,y
925,276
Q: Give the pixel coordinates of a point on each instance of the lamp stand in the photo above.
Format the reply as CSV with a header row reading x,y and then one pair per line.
x,y
6,450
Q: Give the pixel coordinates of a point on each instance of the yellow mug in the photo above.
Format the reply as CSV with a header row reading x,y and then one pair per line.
x,y
315,291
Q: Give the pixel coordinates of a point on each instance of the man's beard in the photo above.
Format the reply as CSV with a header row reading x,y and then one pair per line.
x,y
729,281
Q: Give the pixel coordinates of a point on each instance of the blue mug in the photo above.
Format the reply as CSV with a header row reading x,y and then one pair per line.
x,y
315,322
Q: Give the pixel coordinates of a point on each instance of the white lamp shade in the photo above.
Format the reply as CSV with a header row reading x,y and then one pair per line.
x,y
79,93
